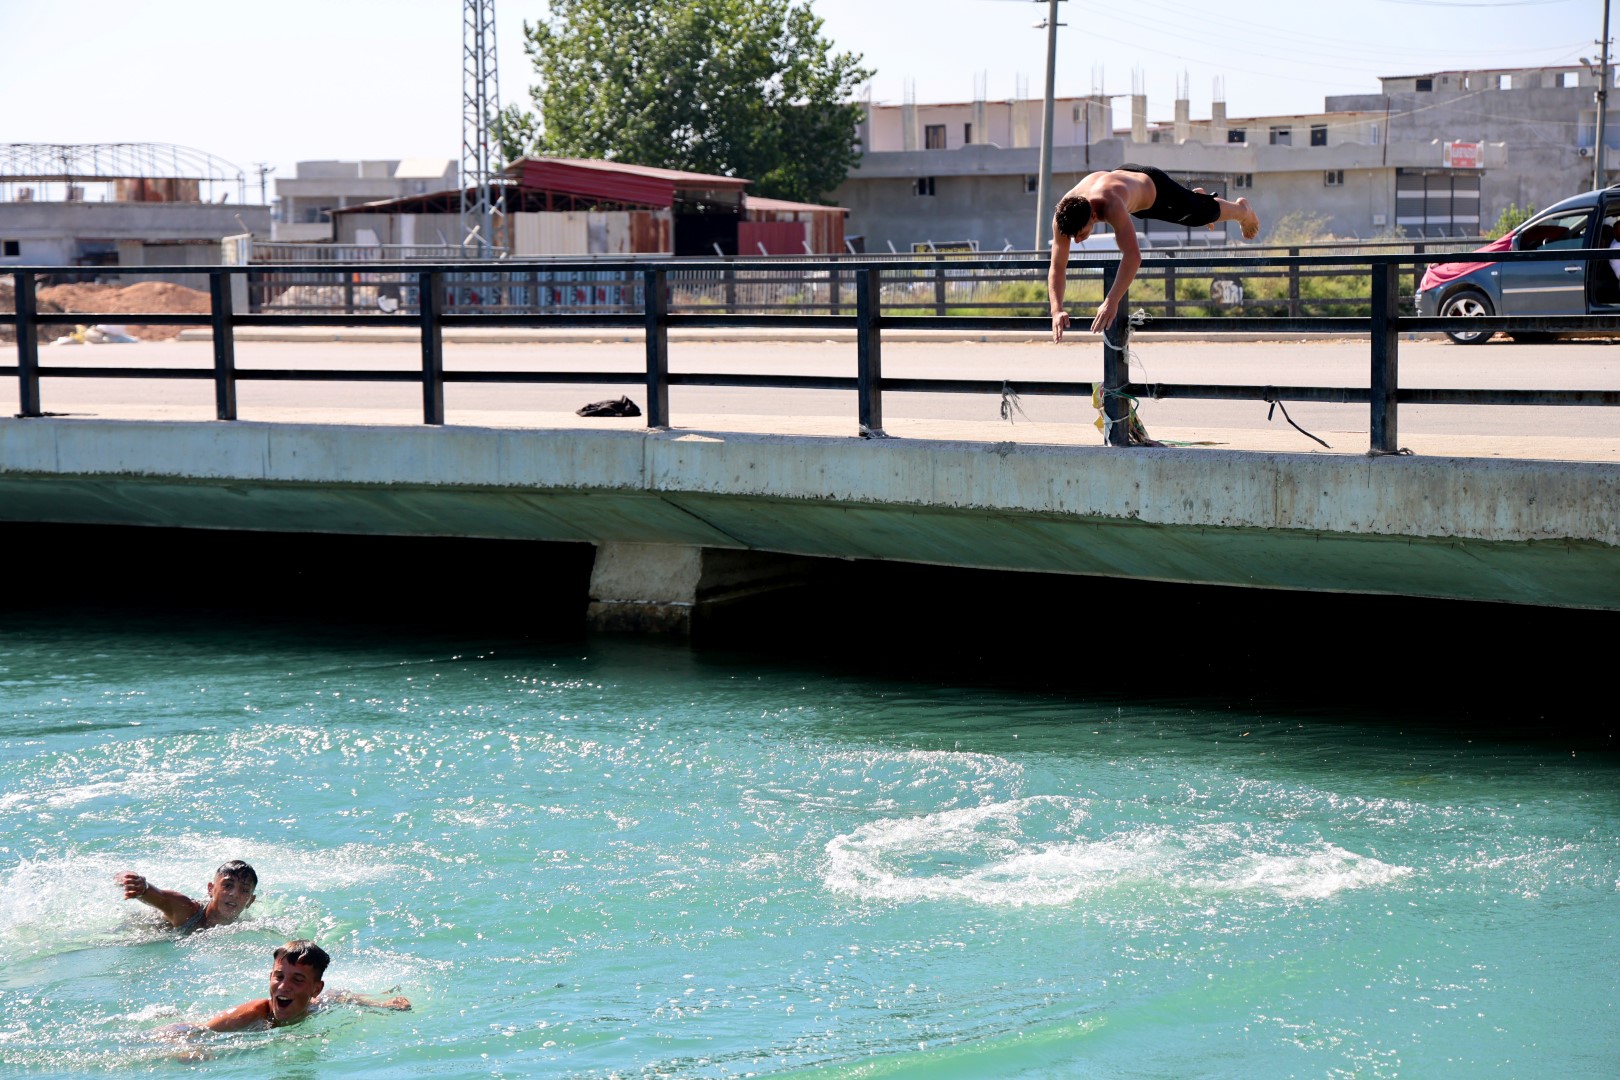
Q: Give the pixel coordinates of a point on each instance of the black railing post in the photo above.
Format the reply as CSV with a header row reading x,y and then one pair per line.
x,y
223,327
1293,283
430,293
1417,267
869,351
1385,382
27,346
1116,366
1169,289
655,302
939,285
833,297
731,287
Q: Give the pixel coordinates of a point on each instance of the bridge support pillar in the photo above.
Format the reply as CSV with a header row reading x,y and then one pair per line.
x,y
674,588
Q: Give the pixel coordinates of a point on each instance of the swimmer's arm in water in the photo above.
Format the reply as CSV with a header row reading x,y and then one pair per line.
x,y
365,1001
174,907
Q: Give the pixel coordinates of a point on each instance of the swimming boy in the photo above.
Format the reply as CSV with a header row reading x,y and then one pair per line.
x,y
1115,197
229,895
297,971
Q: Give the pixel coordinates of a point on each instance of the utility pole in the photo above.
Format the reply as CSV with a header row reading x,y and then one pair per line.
x,y
1043,211
1599,176
480,102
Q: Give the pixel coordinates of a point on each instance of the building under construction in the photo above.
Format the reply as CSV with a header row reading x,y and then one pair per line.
x,y
106,205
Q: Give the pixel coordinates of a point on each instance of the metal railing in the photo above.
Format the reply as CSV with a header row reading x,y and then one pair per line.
x,y
937,284
1383,326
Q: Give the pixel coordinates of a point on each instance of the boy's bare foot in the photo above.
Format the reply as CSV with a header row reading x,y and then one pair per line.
x,y
1248,220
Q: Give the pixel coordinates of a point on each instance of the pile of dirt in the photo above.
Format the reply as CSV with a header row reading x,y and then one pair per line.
x,y
146,298
8,302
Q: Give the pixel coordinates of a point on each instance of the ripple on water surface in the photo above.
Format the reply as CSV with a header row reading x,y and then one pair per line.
x,y
625,860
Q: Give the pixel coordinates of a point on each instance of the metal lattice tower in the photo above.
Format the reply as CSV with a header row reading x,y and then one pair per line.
x,y
480,103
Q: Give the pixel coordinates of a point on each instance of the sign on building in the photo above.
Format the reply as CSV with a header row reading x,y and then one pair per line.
x,y
1461,155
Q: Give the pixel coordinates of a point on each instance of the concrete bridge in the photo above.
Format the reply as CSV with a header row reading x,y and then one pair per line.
x,y
685,521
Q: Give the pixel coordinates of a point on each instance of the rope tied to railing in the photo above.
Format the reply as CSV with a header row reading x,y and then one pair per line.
x,y
1135,433
1276,404
1010,404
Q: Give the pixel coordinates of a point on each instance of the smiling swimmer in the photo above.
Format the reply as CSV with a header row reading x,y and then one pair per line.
x,y
229,895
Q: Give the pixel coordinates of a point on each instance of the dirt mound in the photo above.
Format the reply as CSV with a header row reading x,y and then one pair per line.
x,y
146,298
8,302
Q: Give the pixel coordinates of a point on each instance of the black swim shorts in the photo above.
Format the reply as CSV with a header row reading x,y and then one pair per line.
x,y
1173,202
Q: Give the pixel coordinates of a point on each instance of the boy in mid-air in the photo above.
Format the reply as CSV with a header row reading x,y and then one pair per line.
x,y
1140,191
297,971
229,895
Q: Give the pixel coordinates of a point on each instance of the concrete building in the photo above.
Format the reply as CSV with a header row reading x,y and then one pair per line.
x,y
1429,156
305,201
118,205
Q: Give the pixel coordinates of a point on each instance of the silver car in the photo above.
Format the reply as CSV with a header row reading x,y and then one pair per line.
x,y
1575,287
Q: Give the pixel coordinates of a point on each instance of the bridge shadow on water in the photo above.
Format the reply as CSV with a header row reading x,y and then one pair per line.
x,y
1516,672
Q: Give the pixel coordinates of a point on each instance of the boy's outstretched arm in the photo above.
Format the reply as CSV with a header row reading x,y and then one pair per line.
x,y
367,1001
1057,274
175,907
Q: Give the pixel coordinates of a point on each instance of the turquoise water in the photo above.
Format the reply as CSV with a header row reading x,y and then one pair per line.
x,y
619,859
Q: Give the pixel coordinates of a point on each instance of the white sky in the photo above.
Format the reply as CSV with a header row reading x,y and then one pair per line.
x,y
303,80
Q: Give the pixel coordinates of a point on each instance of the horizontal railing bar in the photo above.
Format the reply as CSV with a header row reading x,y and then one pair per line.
x,y
1337,395
460,273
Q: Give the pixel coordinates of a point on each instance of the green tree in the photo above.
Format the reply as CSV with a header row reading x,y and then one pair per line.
x,y
731,87
1509,219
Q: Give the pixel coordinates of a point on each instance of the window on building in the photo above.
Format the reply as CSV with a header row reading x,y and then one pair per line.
x,y
1032,184
1243,180
1424,86
10,249
1237,135
967,134
934,137
923,185
1282,136
1569,79
1318,134
1505,82
1333,178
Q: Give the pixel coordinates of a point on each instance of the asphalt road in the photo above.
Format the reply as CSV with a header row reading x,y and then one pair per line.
x,y
1538,432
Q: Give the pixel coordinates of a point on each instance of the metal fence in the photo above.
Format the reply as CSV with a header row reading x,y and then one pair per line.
x,y
1011,282
875,290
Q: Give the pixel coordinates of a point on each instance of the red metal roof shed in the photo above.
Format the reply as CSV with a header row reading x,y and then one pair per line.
x,y
613,180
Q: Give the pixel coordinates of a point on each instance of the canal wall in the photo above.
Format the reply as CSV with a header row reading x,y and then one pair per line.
x,y
674,508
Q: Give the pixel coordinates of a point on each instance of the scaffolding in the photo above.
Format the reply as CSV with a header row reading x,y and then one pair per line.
x,y
116,172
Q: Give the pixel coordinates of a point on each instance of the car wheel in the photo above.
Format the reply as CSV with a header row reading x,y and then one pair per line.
x,y
1471,304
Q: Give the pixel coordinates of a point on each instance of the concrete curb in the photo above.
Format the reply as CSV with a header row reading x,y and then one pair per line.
x,y
394,335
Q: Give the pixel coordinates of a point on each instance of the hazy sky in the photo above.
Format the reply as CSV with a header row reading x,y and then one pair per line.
x,y
319,79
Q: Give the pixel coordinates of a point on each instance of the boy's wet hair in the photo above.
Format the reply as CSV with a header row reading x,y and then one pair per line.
x,y
241,871
1073,214
305,953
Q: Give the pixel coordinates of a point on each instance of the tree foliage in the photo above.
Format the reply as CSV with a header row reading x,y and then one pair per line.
x,y
1509,219
732,87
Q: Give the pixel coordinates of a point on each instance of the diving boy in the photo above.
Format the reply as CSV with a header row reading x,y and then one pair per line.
x,y
229,895
1140,191
297,973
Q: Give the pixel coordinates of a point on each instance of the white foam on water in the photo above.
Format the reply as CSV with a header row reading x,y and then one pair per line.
x,y
1045,850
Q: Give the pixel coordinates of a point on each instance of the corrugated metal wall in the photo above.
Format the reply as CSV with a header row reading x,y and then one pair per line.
x,y
776,237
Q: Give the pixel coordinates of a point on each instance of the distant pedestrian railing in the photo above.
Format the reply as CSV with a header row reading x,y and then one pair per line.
x,y
947,283
869,295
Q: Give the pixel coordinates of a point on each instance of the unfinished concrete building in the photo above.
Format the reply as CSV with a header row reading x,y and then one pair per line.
x,y
107,205
1432,155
